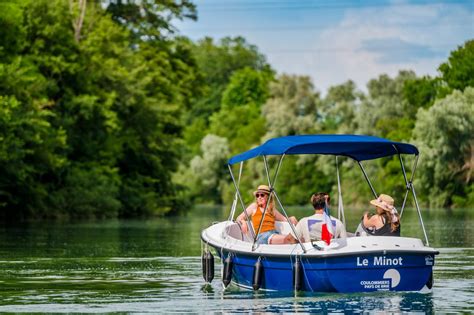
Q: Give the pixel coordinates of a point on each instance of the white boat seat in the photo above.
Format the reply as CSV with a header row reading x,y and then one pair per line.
x,y
234,230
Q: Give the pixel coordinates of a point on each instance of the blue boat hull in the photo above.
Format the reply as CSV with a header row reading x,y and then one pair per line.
x,y
349,273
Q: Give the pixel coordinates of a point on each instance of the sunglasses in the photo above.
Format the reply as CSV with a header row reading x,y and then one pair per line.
x,y
260,195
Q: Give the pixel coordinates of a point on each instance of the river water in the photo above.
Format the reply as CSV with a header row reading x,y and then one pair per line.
x,y
153,266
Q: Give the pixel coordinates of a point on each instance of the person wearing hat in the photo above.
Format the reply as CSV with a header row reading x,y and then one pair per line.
x,y
268,233
386,221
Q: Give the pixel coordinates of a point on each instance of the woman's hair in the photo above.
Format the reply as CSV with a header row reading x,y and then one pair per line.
x,y
388,216
271,204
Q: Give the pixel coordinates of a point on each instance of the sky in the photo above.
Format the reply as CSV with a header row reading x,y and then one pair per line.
x,y
335,41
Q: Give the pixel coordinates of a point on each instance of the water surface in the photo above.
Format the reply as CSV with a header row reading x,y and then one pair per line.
x,y
154,266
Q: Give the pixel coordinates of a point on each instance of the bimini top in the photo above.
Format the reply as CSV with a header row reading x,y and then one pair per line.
x,y
357,147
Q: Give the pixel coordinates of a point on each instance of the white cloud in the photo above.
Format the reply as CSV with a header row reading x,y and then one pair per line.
x,y
372,41
359,42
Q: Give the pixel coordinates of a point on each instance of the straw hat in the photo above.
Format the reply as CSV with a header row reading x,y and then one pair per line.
x,y
262,189
383,201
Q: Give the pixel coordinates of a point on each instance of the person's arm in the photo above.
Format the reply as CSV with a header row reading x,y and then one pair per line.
x,y
242,218
281,217
373,221
299,232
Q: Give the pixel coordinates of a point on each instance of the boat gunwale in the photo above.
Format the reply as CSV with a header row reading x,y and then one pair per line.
x,y
423,251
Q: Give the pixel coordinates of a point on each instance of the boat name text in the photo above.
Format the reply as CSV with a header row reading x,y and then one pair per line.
x,y
380,261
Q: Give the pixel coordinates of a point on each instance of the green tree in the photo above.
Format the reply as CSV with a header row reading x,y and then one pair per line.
x,y
106,104
12,33
383,113
217,62
458,71
444,135
291,108
339,108
29,153
420,93
241,109
208,171
150,19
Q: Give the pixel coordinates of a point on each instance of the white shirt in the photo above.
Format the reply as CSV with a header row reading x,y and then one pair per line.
x,y
310,228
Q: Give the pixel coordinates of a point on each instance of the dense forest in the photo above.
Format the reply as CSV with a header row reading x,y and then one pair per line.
x,y
106,111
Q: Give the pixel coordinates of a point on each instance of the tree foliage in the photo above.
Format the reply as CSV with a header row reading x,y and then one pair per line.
x,y
339,108
291,108
106,111
150,19
458,71
444,133
96,115
239,119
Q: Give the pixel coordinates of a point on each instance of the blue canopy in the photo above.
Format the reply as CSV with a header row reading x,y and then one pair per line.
x,y
357,147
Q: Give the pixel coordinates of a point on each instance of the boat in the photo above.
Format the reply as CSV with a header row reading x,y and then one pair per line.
x,y
358,263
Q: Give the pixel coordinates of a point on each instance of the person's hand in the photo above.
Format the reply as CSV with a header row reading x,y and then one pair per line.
x,y
244,226
293,220
365,215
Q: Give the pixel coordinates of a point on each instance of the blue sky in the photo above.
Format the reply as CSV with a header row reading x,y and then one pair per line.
x,y
334,41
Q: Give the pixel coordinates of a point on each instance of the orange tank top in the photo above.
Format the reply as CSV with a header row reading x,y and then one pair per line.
x,y
268,223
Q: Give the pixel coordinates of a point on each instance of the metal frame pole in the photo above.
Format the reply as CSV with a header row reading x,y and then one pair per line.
x,y
367,179
419,215
291,224
404,177
272,190
416,200
269,196
340,206
249,223
409,184
234,203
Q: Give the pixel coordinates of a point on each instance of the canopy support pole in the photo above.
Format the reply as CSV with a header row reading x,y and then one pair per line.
x,y
269,196
249,222
419,215
274,193
291,224
409,184
272,189
234,203
367,179
412,187
340,206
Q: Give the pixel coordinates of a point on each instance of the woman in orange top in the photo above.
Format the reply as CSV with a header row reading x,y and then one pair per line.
x,y
268,234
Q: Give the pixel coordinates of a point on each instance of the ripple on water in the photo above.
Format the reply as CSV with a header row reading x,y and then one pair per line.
x,y
125,270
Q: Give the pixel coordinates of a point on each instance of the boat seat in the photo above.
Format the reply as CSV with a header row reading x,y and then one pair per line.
x,y
283,227
234,230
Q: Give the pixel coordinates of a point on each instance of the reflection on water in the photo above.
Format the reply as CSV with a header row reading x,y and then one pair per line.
x,y
154,266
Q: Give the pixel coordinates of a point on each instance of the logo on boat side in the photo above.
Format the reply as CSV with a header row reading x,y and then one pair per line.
x,y
391,280
393,275
429,260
